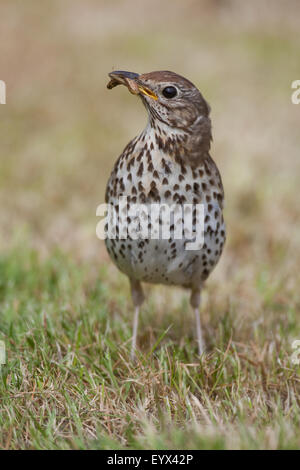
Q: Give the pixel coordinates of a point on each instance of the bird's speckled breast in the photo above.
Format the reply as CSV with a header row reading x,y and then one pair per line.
x,y
147,172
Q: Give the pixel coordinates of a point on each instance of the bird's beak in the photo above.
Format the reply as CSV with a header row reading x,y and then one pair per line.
x,y
131,80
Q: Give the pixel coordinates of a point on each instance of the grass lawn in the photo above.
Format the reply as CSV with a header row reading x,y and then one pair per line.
x,y
69,384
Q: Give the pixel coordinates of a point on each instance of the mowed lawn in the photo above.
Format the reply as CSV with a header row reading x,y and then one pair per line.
x,y
69,382
65,311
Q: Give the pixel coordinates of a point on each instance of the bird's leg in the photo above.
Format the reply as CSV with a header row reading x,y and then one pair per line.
x,y
195,303
134,333
137,298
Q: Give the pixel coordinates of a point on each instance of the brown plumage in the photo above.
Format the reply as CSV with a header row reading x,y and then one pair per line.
x,y
167,164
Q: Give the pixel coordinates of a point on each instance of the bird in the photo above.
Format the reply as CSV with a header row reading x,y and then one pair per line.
x,y
167,164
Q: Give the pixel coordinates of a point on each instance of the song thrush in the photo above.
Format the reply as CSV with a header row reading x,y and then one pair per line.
x,y
168,163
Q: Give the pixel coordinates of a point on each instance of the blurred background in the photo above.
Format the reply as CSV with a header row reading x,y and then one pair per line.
x,y
61,129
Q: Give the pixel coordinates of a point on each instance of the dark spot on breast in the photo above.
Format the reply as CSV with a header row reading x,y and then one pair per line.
x,y
178,158
165,167
196,187
139,157
159,141
183,169
140,170
130,164
208,172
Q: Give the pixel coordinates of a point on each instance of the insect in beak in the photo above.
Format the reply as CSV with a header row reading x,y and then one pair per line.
x,y
129,79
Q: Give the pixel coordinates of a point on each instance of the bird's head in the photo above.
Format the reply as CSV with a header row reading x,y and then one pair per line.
x,y
168,97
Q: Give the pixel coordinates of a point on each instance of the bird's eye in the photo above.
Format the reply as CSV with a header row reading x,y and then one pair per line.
x,y
169,92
